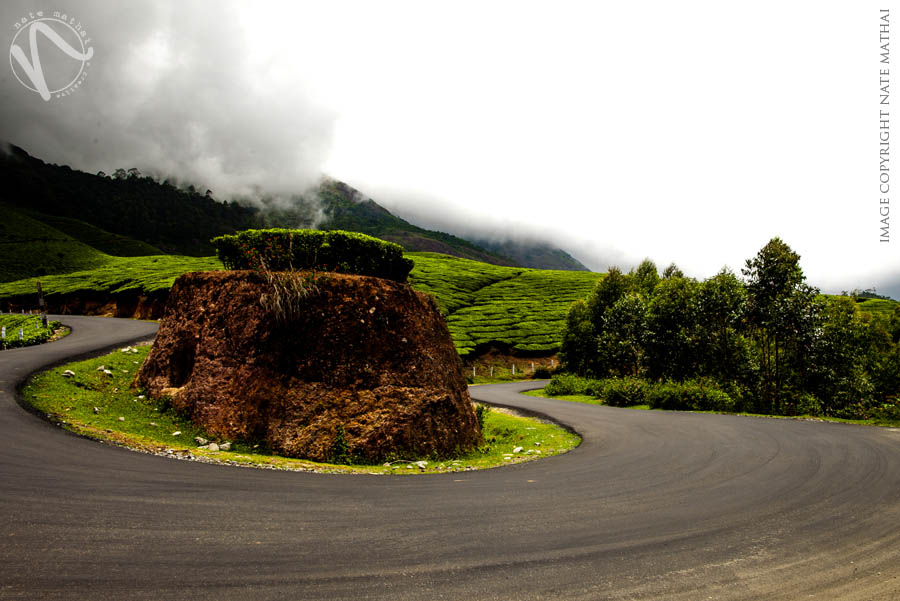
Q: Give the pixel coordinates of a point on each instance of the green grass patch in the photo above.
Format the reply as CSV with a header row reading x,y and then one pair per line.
x,y
98,402
575,398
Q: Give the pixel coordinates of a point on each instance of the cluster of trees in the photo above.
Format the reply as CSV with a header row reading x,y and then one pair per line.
x,y
769,340
175,220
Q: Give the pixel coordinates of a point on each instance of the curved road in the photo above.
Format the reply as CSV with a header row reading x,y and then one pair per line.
x,y
652,505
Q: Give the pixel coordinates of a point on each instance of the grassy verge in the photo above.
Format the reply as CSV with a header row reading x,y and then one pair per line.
x,y
590,400
32,328
98,402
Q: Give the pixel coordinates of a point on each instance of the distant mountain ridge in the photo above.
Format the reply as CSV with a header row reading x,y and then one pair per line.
x,y
182,221
346,208
531,254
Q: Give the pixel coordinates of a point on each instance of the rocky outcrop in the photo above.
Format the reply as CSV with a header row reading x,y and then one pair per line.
x,y
366,366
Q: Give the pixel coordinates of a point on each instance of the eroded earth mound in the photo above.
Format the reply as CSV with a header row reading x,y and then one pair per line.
x,y
365,359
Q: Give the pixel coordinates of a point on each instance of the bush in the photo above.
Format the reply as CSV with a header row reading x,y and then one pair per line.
x,y
807,404
889,410
623,392
542,373
563,384
481,412
886,410
693,395
336,250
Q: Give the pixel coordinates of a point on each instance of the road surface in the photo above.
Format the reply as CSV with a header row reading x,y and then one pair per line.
x,y
652,505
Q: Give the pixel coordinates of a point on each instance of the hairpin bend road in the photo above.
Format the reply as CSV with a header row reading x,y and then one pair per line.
x,y
652,505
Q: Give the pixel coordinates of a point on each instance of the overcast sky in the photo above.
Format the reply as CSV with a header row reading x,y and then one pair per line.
x,y
690,132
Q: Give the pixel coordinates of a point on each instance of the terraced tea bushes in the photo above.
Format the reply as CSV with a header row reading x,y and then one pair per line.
x,y
515,308
453,281
32,330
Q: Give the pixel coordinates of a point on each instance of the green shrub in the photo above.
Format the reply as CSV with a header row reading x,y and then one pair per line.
x,y
340,450
481,412
594,388
808,404
889,410
336,250
564,384
623,392
693,395
542,373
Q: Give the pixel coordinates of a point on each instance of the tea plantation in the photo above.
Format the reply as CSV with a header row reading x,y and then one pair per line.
x,y
512,309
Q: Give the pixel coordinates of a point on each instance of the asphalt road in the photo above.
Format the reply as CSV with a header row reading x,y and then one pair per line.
x,y
652,505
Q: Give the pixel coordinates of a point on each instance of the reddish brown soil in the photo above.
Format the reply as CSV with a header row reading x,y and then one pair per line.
x,y
148,306
369,355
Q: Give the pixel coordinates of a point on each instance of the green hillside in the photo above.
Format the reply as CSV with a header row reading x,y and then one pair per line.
x,y
105,242
29,247
516,309
119,274
877,306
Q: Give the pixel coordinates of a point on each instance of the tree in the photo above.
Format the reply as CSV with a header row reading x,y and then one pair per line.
x,y
783,313
588,348
578,351
672,271
645,277
620,345
837,370
672,337
722,307
605,294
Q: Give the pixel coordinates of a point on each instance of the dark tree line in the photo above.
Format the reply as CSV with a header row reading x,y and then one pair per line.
x,y
128,203
769,340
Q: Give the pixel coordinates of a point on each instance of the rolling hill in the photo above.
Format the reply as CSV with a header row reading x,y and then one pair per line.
x,y
513,309
181,220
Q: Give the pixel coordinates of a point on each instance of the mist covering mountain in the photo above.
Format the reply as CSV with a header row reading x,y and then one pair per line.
x,y
181,219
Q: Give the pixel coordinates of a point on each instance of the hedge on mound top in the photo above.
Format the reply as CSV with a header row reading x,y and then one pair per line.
x,y
334,250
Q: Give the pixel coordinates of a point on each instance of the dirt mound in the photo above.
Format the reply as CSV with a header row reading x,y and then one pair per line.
x,y
367,363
